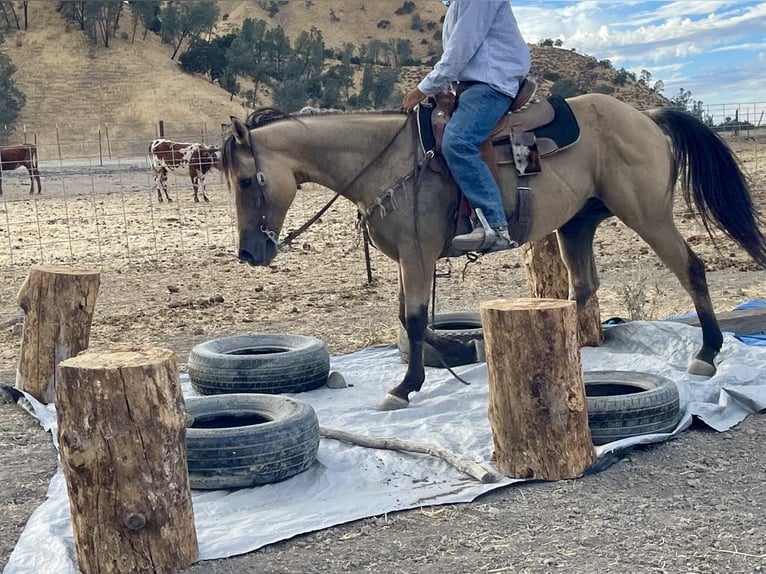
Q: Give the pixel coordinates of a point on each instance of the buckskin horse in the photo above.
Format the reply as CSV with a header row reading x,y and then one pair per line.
x,y
625,164
16,156
199,159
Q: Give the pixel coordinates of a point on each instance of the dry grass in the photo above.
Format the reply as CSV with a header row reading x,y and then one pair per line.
x,y
73,88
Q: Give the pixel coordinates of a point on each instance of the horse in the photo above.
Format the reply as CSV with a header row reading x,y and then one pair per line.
x,y
16,156
625,164
199,159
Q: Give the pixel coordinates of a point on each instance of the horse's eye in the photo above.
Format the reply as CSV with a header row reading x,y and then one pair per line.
x,y
246,182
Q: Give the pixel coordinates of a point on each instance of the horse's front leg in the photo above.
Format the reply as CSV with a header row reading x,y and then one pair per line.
x,y
414,288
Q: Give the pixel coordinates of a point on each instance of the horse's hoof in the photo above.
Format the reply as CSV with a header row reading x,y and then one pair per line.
x,y
701,368
393,403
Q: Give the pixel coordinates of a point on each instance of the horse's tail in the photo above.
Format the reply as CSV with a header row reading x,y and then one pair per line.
x,y
712,178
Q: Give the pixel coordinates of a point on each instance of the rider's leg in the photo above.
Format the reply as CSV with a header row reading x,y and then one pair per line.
x,y
479,110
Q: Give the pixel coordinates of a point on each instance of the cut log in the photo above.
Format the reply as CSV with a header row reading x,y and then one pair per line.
x,y
122,436
537,406
58,305
548,278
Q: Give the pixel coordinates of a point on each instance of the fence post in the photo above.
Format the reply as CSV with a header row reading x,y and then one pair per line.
x,y
100,154
108,145
162,129
58,144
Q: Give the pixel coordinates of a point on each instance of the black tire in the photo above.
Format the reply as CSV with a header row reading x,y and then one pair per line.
x,y
259,363
462,327
244,440
623,404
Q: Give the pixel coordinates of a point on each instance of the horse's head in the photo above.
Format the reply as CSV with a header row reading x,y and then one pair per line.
x,y
264,188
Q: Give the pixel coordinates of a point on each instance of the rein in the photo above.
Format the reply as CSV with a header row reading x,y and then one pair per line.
x,y
290,237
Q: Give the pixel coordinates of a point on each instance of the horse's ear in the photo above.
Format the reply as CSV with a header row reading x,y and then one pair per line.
x,y
240,131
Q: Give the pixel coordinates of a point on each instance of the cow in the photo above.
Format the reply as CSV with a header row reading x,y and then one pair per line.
x,y
166,155
23,155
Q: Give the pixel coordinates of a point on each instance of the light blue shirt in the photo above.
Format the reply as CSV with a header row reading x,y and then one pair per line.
x,y
482,43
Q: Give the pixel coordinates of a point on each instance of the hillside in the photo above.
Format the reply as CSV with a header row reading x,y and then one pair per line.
x,y
75,88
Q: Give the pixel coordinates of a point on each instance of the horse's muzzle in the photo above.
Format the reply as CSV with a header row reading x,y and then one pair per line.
x,y
256,260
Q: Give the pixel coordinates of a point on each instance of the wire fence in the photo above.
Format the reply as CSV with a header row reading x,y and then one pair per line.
x,y
101,147
99,209
746,119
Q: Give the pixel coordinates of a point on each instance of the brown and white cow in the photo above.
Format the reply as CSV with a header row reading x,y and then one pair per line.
x,y
167,155
23,155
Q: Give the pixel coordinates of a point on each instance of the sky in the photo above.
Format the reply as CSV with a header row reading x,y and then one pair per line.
x,y
712,48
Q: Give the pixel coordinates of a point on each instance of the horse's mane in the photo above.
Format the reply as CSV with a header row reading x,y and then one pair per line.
x,y
262,116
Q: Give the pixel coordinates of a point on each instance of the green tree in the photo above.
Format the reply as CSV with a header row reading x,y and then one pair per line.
x,y
346,74
146,13
377,86
209,58
278,50
308,56
644,78
101,19
565,87
13,99
682,99
8,12
290,95
401,48
247,54
184,20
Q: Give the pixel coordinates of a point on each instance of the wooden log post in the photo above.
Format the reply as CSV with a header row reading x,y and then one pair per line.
x,y
58,305
537,406
122,435
548,278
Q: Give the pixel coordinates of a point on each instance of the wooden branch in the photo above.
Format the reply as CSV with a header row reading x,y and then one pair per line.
x,y
458,461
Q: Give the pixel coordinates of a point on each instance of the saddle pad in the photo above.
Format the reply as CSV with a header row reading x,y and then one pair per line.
x,y
563,130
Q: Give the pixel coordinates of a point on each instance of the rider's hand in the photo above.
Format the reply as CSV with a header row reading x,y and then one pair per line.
x,y
412,99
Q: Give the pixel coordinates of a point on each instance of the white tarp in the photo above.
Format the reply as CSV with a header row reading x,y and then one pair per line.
x,y
350,482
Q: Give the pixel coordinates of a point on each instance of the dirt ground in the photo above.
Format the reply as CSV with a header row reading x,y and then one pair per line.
x,y
169,278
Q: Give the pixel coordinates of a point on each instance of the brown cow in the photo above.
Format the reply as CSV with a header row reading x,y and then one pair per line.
x,y
168,155
15,156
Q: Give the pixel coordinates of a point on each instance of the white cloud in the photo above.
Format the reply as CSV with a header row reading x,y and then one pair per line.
x,y
704,42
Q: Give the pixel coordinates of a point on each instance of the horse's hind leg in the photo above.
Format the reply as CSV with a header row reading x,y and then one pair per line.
x,y
674,252
576,243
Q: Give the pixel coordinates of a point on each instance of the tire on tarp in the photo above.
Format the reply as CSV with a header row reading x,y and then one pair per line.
x,y
244,440
259,363
462,326
624,404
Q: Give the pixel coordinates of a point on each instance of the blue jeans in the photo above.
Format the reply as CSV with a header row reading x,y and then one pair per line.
x,y
480,108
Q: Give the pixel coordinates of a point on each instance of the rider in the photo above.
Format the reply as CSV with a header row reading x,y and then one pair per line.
x,y
483,50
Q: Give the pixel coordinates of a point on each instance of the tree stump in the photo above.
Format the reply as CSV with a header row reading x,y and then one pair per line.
x,y
122,435
58,305
548,278
537,406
